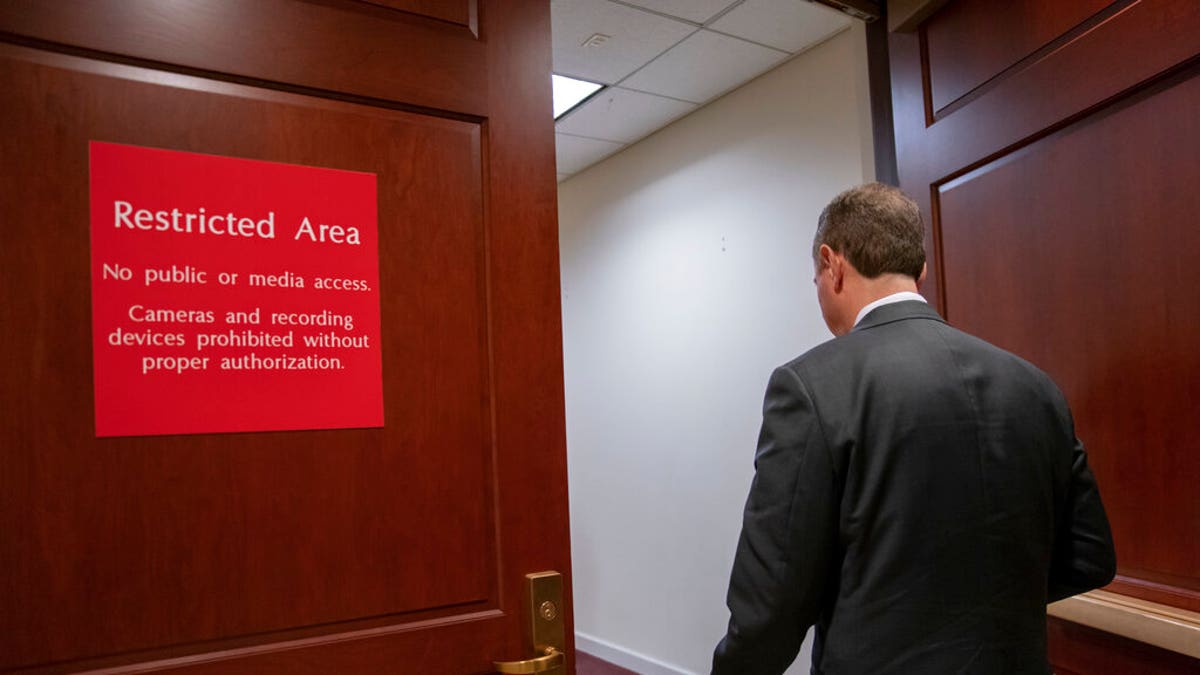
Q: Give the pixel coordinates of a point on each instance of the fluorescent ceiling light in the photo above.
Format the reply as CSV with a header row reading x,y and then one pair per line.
x,y
569,92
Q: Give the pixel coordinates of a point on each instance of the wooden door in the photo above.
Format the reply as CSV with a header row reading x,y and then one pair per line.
x,y
1053,149
396,549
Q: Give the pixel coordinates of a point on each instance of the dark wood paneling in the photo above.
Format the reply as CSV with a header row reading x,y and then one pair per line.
x,y
1059,197
461,12
246,533
525,303
461,644
1069,252
1080,650
380,550
969,41
1143,42
342,46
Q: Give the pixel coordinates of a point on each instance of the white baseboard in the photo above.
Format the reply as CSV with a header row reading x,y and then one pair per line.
x,y
620,656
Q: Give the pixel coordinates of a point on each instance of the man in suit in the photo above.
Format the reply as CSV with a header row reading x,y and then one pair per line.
x,y
919,494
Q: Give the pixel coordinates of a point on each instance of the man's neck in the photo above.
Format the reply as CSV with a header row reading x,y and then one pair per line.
x,y
870,290
867,291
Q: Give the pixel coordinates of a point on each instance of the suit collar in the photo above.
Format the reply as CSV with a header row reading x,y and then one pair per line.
x,y
898,311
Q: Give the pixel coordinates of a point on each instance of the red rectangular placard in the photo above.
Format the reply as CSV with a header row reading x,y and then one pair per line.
x,y
232,294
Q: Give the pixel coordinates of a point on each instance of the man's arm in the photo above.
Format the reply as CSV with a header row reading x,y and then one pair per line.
x,y
789,537
1084,557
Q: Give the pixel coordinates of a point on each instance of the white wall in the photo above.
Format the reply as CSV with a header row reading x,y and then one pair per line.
x,y
686,279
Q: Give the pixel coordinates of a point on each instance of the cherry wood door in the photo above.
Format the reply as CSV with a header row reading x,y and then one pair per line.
x,y
395,549
1052,147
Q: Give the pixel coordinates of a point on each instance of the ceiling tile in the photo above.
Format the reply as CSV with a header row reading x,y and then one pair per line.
x,y
575,154
704,65
617,114
790,25
692,10
635,37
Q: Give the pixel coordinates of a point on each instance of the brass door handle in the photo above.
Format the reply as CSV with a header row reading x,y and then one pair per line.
x,y
553,659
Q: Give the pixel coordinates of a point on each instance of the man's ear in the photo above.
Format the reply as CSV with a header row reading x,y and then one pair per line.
x,y
825,258
921,279
835,263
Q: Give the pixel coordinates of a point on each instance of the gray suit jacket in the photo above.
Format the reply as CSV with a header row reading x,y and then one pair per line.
x,y
919,495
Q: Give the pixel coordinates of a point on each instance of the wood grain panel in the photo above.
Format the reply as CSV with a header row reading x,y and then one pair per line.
x,y
343,46
388,550
1085,651
1056,182
458,644
125,544
1143,42
969,42
461,12
1070,253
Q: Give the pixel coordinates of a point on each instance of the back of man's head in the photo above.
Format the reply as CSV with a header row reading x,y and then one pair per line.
x,y
877,228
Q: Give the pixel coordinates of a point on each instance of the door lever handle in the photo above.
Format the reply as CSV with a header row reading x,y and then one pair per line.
x,y
552,659
545,628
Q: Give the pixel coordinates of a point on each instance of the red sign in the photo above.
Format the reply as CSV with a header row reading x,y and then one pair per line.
x,y
232,294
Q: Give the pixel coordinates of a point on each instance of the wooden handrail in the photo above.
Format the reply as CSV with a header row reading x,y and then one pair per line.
x,y
1160,625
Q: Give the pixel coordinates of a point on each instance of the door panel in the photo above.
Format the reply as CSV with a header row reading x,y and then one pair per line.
x,y
959,62
1055,169
395,549
1079,650
461,12
1137,44
342,46
1051,235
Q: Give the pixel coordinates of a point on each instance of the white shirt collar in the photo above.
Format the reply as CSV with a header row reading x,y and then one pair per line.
x,y
887,300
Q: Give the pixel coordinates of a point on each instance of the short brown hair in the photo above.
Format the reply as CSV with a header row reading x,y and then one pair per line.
x,y
877,227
